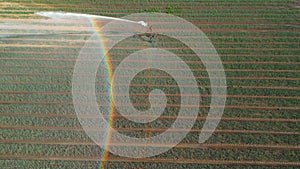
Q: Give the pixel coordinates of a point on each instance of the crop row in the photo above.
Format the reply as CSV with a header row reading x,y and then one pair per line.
x,y
77,151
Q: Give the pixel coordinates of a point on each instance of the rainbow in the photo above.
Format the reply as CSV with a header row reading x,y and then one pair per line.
x,y
96,25
104,154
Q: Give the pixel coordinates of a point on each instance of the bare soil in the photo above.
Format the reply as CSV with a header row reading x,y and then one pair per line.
x,y
297,5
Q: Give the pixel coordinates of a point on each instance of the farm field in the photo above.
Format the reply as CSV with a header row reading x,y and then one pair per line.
x,y
258,43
